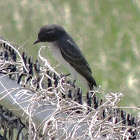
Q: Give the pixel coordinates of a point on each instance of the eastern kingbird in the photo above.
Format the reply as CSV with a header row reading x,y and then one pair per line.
x,y
67,53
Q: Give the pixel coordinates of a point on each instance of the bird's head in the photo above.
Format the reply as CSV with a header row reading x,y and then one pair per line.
x,y
50,33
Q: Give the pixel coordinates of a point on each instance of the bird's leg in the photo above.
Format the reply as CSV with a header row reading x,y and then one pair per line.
x,y
65,75
73,82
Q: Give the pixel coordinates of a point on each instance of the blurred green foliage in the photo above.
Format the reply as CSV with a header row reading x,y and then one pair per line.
x,y
110,29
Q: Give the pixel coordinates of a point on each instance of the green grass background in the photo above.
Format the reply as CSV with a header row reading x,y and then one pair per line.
x,y
110,28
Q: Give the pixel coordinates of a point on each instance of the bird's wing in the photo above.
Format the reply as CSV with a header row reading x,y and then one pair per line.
x,y
72,54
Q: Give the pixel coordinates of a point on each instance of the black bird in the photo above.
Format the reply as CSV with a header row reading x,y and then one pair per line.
x,y
67,53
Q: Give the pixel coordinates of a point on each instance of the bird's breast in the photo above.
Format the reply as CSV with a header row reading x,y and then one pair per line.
x,y
55,50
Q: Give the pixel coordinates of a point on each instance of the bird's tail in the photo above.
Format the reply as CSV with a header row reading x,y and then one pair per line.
x,y
91,82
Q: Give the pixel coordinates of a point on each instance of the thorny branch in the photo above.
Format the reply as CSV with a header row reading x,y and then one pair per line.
x,y
75,117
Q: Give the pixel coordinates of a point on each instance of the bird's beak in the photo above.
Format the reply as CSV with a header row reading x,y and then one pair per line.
x,y
37,41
